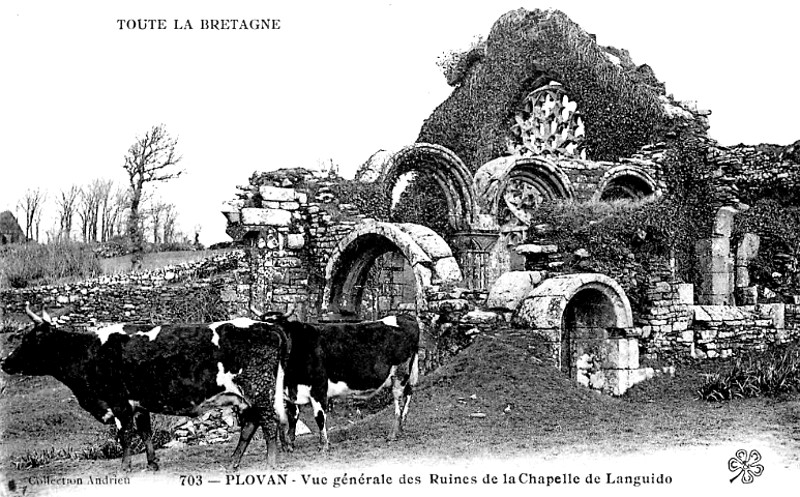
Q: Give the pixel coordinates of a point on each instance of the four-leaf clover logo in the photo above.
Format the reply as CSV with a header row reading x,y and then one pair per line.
x,y
746,465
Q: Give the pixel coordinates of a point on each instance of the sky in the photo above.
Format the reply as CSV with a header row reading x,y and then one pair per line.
x,y
338,81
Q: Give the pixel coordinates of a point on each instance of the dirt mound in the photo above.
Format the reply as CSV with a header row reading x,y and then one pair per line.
x,y
500,380
493,393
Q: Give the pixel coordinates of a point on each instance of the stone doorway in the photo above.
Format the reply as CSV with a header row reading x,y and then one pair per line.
x,y
587,318
382,267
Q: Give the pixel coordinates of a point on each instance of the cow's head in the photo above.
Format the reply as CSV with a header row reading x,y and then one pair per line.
x,y
29,349
272,317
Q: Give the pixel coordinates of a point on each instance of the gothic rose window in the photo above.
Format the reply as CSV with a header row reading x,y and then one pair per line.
x,y
548,123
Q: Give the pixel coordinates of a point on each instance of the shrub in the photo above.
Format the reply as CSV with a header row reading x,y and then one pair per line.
x,y
34,264
204,306
772,372
108,449
777,226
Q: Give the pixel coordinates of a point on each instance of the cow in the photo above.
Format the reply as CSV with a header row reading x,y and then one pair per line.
x,y
355,360
122,373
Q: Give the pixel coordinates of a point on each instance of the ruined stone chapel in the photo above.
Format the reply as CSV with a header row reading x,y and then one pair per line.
x,y
540,117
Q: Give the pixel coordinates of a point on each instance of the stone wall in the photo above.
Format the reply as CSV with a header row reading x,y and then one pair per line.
x,y
664,319
725,331
748,171
218,284
291,221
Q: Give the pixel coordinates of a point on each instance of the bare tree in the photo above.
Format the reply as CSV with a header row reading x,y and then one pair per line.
x,y
89,209
66,209
104,188
170,217
157,213
31,207
114,206
37,222
152,158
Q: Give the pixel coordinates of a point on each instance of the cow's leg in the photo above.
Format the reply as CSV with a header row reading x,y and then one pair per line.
x,y
145,429
292,415
407,391
397,392
319,417
250,420
270,428
125,433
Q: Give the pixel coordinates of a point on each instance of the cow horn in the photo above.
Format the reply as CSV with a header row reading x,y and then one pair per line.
x,y
256,311
290,310
36,319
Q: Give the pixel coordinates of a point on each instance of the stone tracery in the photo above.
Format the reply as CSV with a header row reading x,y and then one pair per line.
x,y
548,123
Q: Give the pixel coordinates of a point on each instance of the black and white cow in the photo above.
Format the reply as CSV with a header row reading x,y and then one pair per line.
x,y
348,359
122,373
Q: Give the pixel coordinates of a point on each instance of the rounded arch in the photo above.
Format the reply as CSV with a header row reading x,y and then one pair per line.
x,y
449,171
426,252
546,305
501,178
626,182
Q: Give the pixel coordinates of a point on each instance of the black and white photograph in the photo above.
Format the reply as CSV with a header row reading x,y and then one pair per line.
x,y
384,247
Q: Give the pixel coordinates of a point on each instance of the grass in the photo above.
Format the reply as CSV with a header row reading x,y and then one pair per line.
x,y
155,260
772,372
527,408
32,264
27,265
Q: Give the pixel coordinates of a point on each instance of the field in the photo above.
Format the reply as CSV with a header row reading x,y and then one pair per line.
x,y
155,260
532,418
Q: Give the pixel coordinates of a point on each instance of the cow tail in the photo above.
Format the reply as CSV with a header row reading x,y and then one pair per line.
x,y
414,375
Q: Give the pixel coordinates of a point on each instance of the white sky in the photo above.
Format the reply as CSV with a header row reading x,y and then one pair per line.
x,y
339,80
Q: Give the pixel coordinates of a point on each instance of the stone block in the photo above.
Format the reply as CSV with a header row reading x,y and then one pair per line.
x,y
746,296
446,270
449,305
295,241
538,312
686,293
775,312
639,375
277,194
720,249
663,287
723,223
480,317
620,353
597,380
430,242
747,249
718,313
680,326
511,287
530,248
617,381
289,206
266,217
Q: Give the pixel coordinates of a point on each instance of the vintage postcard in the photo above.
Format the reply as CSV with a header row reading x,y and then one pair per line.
x,y
381,247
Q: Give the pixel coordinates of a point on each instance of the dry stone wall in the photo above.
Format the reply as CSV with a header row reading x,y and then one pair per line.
x,y
221,282
725,331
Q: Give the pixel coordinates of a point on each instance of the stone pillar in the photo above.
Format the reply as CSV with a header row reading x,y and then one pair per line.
x,y
716,263
746,252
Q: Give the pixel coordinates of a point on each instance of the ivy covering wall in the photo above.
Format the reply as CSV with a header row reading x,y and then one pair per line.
x,y
525,50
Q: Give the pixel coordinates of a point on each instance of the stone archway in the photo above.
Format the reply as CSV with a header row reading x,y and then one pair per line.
x,y
509,186
448,170
626,182
428,255
578,312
